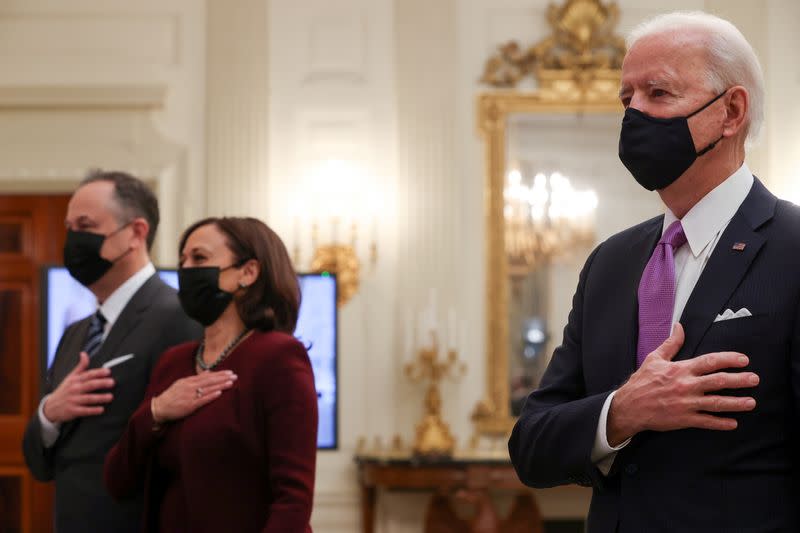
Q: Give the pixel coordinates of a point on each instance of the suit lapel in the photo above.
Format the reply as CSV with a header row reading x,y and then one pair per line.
x,y
726,267
71,351
127,321
125,325
72,355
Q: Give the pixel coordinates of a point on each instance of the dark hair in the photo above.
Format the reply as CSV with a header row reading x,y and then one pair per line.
x,y
273,300
133,197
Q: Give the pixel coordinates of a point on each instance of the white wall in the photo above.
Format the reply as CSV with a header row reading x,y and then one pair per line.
x,y
782,142
237,107
332,95
113,47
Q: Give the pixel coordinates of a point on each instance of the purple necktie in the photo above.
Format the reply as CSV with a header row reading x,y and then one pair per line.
x,y
657,292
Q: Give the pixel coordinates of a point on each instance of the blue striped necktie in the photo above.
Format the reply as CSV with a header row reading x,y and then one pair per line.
x,y
94,337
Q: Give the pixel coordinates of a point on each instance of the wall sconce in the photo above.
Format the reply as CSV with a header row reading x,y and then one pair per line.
x,y
340,206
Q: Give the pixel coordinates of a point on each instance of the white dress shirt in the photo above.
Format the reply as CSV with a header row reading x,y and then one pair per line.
x,y
111,310
703,226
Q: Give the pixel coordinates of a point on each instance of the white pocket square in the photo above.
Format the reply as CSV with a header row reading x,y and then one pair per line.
x,y
117,360
728,314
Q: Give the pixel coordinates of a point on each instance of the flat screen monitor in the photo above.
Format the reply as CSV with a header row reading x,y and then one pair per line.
x,y
66,301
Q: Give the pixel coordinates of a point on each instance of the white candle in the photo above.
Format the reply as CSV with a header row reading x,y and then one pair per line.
x,y
408,342
462,341
422,330
452,340
370,214
434,318
314,233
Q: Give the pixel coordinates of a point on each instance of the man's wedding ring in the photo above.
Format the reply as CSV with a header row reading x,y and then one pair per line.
x,y
198,393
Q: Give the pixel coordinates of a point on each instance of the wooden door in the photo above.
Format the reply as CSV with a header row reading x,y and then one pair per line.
x,y
31,235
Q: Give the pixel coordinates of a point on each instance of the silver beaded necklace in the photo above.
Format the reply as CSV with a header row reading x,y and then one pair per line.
x,y
228,349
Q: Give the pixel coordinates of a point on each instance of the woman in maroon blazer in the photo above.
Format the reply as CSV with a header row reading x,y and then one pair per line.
x,y
225,439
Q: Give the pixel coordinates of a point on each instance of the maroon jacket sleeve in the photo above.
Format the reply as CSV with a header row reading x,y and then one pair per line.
x,y
127,463
290,412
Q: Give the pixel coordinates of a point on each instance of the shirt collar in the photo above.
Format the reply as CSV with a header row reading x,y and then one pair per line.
x,y
711,214
115,303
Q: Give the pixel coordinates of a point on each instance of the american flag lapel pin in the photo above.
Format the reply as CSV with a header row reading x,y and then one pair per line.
x,y
739,246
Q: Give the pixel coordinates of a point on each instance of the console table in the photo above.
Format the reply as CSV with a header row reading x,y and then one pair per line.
x,y
468,480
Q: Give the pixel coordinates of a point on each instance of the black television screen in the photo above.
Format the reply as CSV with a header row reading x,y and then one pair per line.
x,y
65,301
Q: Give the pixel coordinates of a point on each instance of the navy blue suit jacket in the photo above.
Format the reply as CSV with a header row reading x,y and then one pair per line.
x,y
689,480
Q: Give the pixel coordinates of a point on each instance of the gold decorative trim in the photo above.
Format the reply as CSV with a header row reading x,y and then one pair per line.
x,y
580,61
577,70
492,416
342,260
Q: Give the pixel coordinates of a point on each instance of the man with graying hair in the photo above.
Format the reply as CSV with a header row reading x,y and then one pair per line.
x,y
103,362
675,393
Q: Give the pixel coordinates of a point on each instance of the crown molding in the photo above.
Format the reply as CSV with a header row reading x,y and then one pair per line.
x,y
77,97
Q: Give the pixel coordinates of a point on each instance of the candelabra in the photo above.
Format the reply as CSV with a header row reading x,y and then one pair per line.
x,y
433,437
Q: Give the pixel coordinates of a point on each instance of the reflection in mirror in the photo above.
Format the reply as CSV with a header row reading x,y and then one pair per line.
x,y
565,191
528,333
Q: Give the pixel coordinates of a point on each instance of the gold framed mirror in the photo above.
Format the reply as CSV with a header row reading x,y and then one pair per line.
x,y
576,71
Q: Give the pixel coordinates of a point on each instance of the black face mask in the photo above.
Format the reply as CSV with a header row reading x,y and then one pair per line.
x,y
657,151
82,255
200,295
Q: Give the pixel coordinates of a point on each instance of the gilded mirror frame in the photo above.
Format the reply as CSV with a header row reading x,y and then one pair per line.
x,y
577,71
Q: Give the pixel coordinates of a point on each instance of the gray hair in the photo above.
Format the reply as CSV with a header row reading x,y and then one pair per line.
x,y
731,59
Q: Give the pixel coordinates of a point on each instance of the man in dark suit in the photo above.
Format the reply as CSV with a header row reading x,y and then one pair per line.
x,y
103,362
692,428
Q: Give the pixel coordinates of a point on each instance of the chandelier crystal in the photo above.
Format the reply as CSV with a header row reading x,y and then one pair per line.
x,y
545,219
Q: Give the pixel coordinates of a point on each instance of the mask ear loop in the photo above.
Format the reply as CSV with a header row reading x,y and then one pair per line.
x,y
720,95
709,147
713,144
238,264
126,252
